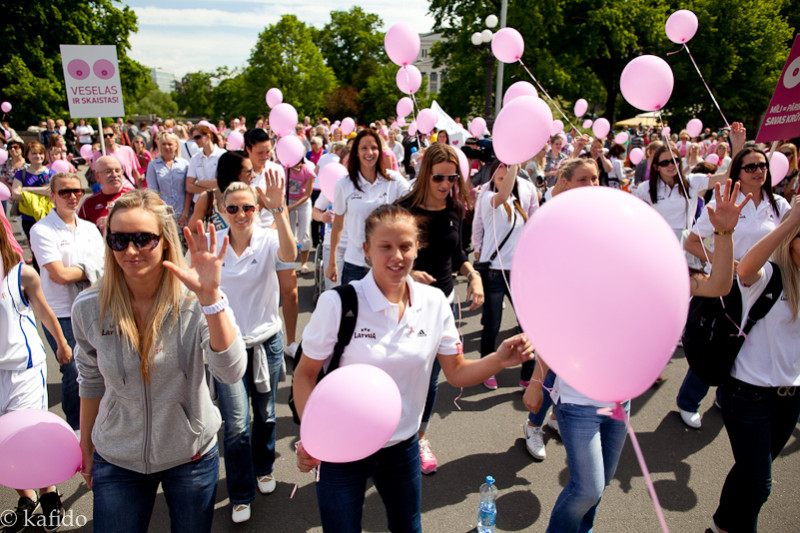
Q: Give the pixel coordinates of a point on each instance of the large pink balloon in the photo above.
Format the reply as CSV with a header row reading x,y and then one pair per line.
x,y
557,127
86,152
3,156
477,127
600,128
347,126
522,128
274,97
327,159
521,88
426,120
402,44
507,45
580,107
408,79
778,167
463,163
565,315
350,414
283,119
621,137
37,449
713,159
235,140
646,83
6,107
681,26
290,150
5,194
404,106
636,155
328,176
60,166
694,127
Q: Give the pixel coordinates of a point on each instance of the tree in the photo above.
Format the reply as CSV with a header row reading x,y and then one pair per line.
x,y
379,98
352,45
194,94
155,102
342,102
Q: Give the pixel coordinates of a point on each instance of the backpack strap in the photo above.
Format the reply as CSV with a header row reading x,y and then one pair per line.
x,y
347,324
766,300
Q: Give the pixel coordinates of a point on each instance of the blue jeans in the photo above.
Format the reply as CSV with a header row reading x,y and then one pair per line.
x,y
246,457
759,423
123,499
351,272
593,444
70,400
396,475
692,392
538,418
494,289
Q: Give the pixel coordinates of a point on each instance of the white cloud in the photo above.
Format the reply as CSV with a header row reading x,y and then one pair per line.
x,y
203,18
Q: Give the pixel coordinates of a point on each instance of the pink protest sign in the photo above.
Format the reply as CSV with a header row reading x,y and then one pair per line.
x,y
91,77
782,120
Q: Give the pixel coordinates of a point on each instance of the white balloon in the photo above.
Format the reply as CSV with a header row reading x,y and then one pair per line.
x,y
491,21
477,38
486,36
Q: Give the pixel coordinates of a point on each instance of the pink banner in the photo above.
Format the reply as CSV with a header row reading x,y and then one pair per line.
x,y
782,120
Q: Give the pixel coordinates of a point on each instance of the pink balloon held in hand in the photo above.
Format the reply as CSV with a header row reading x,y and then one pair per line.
x,y
600,128
404,106
587,124
402,44
274,97
507,45
60,166
426,120
86,152
778,167
283,119
636,155
581,106
6,107
235,140
621,138
522,128
347,126
290,150
681,26
557,127
477,127
646,83
328,176
520,88
408,79
694,127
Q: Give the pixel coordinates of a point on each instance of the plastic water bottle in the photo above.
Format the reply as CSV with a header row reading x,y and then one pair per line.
x,y
487,510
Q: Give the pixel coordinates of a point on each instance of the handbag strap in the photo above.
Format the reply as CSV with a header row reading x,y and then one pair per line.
x,y
510,231
766,300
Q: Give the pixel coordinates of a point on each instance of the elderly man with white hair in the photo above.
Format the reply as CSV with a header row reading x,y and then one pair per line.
x,y
111,179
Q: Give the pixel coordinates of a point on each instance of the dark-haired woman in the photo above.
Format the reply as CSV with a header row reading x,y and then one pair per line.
x,y
231,167
369,186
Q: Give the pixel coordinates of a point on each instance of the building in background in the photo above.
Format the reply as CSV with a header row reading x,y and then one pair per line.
x,y
424,63
165,80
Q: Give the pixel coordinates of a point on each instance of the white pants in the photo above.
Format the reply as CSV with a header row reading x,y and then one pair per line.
x,y
23,389
300,222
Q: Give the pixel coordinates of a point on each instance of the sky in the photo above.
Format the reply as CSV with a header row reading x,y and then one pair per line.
x,y
183,36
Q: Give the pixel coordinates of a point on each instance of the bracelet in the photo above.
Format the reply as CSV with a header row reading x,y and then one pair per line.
x,y
726,232
276,210
216,308
471,272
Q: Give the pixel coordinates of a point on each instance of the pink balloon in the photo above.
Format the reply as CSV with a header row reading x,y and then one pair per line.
x,y
6,107
521,129
681,26
597,360
477,127
665,131
694,127
5,194
713,159
350,414
235,140
3,156
327,159
283,119
778,167
412,128
274,97
426,120
580,107
587,124
404,106
60,166
37,449
463,163
86,151
646,82
402,44
347,126
507,45
290,150
328,176
621,138
408,79
557,127
600,128
521,88
636,155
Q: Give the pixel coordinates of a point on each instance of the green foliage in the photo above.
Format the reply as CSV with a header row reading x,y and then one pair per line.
x,y
194,94
155,102
352,45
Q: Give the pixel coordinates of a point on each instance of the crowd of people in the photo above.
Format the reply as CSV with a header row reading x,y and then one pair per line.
x,y
169,297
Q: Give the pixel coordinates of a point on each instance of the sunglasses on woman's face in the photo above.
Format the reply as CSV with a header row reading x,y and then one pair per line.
x,y
233,209
119,242
665,163
66,193
752,167
438,178
197,137
108,135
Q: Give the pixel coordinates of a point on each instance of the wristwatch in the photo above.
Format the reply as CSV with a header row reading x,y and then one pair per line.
x,y
218,307
276,210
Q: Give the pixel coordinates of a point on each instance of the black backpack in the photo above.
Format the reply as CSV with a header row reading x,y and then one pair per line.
x,y
347,325
711,339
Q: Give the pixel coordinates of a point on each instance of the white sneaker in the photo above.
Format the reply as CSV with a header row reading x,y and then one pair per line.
x,y
534,442
240,513
691,419
266,484
291,350
553,423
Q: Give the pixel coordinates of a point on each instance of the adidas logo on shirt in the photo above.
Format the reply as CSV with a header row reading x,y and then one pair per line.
x,y
422,333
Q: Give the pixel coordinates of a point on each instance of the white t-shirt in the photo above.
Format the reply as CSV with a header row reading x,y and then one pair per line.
x,y
323,204
251,283
53,240
566,394
84,134
724,164
404,348
356,206
671,203
754,223
260,181
20,344
204,168
496,226
769,356
399,152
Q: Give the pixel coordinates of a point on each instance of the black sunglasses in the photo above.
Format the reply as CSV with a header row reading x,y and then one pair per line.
x,y
438,178
107,135
233,209
197,137
665,163
752,167
119,242
66,193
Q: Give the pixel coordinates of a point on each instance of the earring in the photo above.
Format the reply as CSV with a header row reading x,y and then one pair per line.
x,y
368,260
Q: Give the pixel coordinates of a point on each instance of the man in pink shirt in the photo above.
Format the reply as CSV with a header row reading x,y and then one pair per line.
x,y
125,155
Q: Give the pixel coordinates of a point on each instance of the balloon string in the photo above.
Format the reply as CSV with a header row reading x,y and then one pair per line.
x,y
706,84
547,95
297,470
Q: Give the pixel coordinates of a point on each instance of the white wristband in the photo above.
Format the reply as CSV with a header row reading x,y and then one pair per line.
x,y
216,308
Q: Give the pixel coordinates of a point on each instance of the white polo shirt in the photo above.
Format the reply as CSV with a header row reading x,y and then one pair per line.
x,y
671,204
323,204
404,349
203,167
754,223
251,283
496,226
769,356
260,180
53,240
356,206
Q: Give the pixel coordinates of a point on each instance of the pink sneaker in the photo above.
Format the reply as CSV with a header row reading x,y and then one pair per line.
x,y
427,460
491,383
524,384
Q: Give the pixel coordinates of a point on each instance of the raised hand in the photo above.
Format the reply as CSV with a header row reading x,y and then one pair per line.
x,y
737,136
203,276
726,215
275,195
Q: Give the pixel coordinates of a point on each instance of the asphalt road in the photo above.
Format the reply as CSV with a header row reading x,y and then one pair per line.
x,y
485,437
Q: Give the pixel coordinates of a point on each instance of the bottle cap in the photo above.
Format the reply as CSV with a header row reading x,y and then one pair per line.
x,y
489,480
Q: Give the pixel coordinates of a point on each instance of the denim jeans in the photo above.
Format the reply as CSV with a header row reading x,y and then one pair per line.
x,y
593,444
692,392
433,384
538,418
395,471
247,457
351,272
70,400
494,289
123,499
759,423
